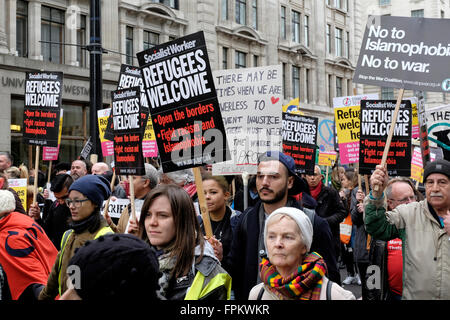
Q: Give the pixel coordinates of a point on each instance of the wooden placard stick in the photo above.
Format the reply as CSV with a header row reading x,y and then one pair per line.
x,y
245,176
105,210
202,202
133,212
49,171
36,175
326,177
391,131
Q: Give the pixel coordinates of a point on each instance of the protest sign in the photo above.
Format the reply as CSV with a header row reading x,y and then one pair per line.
x,y
183,103
107,145
438,123
326,158
128,158
347,124
405,52
20,187
293,107
299,141
51,153
43,94
376,118
250,102
415,118
87,148
115,207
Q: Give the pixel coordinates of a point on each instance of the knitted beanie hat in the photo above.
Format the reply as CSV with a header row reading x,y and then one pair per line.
x,y
7,201
94,187
118,266
300,218
438,166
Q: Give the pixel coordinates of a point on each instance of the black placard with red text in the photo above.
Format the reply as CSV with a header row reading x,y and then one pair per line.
x,y
125,110
183,103
300,141
43,96
376,117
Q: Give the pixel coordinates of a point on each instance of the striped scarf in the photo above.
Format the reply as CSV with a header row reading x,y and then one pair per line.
x,y
304,284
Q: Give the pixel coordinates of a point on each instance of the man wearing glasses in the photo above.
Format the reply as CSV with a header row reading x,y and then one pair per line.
x,y
56,213
424,228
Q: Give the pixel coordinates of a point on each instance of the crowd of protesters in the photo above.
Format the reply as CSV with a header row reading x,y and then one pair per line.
x,y
282,242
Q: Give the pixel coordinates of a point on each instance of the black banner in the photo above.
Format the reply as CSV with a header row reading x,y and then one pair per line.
x,y
183,103
300,141
128,158
43,95
376,117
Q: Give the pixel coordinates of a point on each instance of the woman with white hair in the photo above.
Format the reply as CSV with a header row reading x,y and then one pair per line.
x,y
290,271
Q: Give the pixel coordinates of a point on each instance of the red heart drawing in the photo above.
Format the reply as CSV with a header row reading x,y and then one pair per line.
x,y
274,100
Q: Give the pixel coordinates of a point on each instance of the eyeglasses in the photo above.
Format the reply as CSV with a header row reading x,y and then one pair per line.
x,y
76,203
405,200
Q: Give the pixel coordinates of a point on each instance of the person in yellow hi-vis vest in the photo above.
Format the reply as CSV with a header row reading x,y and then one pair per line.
x,y
86,196
189,268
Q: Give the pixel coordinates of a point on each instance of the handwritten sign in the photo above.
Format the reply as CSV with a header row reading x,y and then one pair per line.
x,y
250,102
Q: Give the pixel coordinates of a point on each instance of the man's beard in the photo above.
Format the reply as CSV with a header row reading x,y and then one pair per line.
x,y
277,197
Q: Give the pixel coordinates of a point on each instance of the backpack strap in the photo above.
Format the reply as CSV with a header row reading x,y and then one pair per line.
x,y
329,285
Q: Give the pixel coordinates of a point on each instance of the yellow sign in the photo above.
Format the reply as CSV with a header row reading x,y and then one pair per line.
x,y
20,186
347,123
326,158
293,107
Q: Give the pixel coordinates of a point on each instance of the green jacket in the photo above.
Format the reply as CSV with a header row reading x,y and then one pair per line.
x,y
426,246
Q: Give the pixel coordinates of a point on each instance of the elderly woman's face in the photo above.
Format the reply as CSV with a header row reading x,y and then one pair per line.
x,y
284,244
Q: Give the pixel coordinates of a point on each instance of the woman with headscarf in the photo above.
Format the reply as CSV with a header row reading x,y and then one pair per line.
x,y
290,271
86,196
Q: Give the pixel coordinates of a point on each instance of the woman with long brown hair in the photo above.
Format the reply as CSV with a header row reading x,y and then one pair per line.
x,y
169,223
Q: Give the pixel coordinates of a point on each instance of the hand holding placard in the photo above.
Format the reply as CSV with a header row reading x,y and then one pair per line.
x,y
378,181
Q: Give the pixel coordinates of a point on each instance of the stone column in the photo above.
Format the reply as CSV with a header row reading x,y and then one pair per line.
x,y
34,30
3,37
110,30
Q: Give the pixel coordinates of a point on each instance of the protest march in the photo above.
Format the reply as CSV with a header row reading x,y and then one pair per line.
x,y
208,184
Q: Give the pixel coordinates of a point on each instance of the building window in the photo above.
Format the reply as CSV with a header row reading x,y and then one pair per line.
x,y
254,14
170,3
240,60
307,83
295,81
338,4
387,93
21,28
224,58
224,10
295,26
284,79
339,87
240,11
52,33
330,90
255,60
129,45
338,41
283,23
417,13
151,39
328,38
306,31
347,45
81,42
385,2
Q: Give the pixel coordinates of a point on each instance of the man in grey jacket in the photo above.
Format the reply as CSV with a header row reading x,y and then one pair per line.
x,y
424,228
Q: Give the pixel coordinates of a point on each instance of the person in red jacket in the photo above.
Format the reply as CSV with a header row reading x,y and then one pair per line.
x,y
26,253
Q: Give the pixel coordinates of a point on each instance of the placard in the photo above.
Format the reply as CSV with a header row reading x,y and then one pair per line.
x,y
51,153
87,148
20,187
438,123
405,52
183,103
115,207
327,158
251,103
107,145
43,94
376,118
347,124
128,158
299,141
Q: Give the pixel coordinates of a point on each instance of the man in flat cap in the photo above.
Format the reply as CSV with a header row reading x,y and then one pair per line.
x,y
425,231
